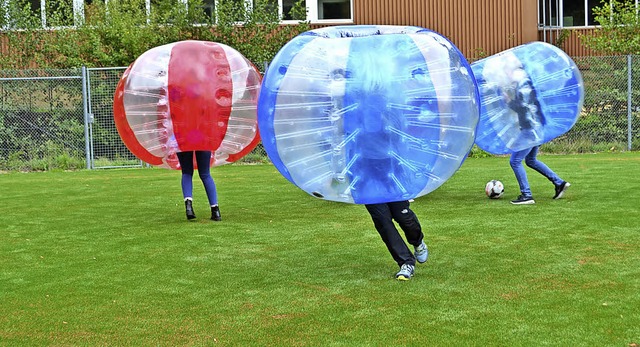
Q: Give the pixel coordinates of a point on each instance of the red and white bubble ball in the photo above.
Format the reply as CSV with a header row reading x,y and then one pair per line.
x,y
188,96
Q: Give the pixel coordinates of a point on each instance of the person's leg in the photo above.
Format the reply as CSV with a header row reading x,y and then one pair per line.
x,y
532,161
382,219
186,166
518,169
560,185
409,223
204,161
203,158
407,220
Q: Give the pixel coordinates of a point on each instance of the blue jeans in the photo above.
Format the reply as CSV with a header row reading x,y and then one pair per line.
x,y
186,165
530,158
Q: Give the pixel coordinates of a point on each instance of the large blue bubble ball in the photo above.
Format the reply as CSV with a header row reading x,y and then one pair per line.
x,y
530,95
368,114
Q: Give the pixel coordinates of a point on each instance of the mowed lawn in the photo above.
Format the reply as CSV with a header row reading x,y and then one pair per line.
x,y
107,258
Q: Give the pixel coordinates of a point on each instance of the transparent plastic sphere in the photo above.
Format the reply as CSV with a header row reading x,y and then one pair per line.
x,y
368,114
188,96
530,95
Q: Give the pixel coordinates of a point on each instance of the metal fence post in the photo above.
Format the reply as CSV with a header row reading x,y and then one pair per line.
x,y
629,94
85,109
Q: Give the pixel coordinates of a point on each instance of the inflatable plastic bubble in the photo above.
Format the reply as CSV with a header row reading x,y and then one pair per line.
x,y
530,95
188,96
368,114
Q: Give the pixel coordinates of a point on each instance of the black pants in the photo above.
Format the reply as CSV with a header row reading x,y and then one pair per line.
x,y
383,216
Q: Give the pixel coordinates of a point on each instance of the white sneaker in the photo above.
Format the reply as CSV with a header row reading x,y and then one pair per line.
x,y
421,253
405,273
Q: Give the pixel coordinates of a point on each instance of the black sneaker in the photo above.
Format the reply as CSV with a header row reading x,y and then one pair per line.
x,y
523,200
188,205
561,189
215,213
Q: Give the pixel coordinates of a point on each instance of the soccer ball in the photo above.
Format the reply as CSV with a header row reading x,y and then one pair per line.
x,y
494,189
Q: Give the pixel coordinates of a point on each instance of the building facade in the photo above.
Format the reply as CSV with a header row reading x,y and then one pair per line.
x,y
477,27
481,27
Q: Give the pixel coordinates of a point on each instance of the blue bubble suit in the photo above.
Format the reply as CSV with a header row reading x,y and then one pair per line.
x,y
368,114
530,95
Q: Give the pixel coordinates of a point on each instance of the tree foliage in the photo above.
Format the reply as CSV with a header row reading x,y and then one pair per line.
x,y
619,31
115,33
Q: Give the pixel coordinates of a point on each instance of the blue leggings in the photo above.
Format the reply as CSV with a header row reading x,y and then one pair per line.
x,y
203,158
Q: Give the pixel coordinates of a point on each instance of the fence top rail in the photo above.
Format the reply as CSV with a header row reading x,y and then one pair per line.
x,y
8,79
106,68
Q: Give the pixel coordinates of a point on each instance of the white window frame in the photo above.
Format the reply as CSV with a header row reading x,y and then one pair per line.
x,y
560,16
78,14
312,13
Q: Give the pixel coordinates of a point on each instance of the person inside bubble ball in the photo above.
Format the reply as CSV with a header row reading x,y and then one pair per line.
x,y
377,147
203,160
522,99
525,103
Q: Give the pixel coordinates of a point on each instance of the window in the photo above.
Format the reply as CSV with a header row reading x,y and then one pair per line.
x,y
316,10
58,13
573,14
334,9
591,20
269,5
209,8
548,12
35,6
47,13
288,10
165,7
569,13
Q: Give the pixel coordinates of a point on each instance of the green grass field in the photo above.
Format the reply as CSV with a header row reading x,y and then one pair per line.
x,y
107,258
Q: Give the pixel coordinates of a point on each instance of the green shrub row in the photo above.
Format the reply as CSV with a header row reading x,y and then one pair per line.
x,y
115,33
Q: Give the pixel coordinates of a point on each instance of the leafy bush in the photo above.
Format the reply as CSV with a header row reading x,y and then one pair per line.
x,y
618,28
115,33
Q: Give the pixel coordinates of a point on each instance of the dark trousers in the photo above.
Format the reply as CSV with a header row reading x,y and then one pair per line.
x,y
383,216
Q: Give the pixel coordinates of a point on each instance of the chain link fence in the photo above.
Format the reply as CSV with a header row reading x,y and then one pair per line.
x,y
106,148
64,118
610,119
42,120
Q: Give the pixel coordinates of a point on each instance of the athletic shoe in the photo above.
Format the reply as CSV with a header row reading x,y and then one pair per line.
x,y
215,213
405,273
188,205
561,189
523,200
421,252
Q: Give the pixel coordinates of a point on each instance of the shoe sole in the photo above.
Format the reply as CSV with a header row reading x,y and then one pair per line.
x,y
562,191
402,278
529,202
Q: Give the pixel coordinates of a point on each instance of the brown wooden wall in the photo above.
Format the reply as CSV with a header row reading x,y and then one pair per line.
x,y
477,27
